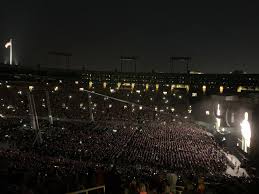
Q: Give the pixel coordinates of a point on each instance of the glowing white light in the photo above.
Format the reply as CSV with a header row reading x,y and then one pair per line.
x,y
246,131
114,130
140,107
155,108
164,92
185,117
110,105
218,111
203,88
218,122
19,92
56,88
125,106
138,91
70,97
207,112
112,90
221,89
81,89
8,44
31,88
172,109
8,86
1,115
66,108
9,106
76,82
180,97
60,81
194,94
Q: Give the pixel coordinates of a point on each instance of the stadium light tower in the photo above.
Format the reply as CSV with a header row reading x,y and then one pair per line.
x,y
9,44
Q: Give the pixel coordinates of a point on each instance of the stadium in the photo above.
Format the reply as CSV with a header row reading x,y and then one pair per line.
x,y
123,132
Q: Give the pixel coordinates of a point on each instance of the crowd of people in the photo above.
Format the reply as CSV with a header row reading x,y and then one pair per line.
x,y
133,138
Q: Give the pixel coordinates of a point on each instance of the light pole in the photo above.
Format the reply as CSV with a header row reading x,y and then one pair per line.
x,y
9,44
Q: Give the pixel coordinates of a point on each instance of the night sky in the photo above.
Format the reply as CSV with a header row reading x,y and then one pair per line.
x,y
219,36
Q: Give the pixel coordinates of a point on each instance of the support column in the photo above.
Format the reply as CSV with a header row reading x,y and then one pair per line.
x,y
34,119
49,108
90,108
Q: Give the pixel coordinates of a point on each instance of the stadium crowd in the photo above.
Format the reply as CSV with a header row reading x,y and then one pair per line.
x,y
118,142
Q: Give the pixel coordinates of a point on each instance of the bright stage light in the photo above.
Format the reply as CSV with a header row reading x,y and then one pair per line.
x,y
246,132
207,112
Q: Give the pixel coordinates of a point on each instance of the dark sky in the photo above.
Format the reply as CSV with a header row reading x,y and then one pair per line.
x,y
218,35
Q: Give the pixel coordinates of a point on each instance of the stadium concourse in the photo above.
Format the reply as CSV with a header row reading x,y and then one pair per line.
x,y
128,139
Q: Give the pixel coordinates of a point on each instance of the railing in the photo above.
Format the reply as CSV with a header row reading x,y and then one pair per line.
x,y
87,190
179,189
